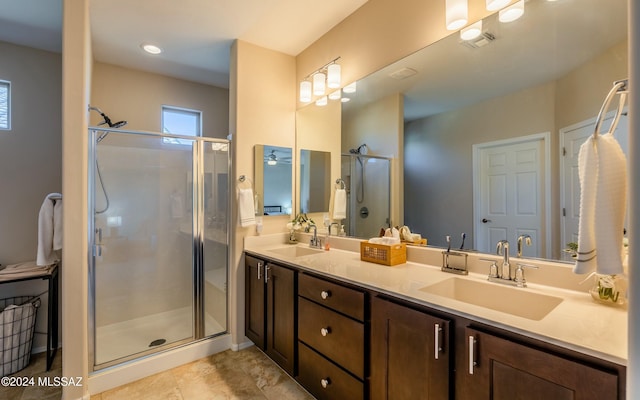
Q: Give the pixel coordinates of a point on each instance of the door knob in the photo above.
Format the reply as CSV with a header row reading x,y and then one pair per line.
x,y
484,220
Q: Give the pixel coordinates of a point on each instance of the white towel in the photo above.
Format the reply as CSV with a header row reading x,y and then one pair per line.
x,y
49,230
602,169
340,204
20,270
246,207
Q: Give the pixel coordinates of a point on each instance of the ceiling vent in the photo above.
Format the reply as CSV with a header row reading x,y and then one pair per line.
x,y
484,39
403,73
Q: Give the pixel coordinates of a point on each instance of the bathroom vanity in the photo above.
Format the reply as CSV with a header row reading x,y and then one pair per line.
x,y
346,329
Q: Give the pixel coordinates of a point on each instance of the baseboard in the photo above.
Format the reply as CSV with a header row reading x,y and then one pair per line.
x,y
132,371
241,346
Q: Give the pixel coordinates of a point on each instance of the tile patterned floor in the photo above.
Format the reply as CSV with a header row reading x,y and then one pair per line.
x,y
246,374
36,369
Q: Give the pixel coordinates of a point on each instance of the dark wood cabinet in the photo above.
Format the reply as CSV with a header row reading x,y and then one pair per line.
x,y
254,298
410,353
343,341
501,369
270,310
332,339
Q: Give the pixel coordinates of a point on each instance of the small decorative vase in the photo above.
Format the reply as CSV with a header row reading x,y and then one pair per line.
x,y
292,237
610,290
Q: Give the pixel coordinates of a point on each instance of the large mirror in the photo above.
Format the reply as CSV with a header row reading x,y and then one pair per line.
x,y
273,175
315,181
537,82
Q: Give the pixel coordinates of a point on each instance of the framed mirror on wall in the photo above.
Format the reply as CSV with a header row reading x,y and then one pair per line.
x,y
315,181
273,175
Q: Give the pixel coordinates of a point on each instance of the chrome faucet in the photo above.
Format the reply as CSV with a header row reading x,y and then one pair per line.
x,y
527,241
502,249
314,242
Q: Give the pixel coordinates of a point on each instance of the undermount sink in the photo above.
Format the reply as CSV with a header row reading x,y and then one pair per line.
x,y
514,301
295,251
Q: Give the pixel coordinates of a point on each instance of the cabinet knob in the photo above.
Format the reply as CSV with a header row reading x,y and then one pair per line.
x,y
325,294
325,382
325,331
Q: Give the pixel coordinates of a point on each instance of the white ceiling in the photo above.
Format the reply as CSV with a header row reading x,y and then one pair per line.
x,y
196,35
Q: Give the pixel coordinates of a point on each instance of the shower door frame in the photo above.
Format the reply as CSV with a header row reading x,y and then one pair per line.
x,y
198,240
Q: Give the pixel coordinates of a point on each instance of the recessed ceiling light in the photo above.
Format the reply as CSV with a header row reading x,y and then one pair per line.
x,y
151,49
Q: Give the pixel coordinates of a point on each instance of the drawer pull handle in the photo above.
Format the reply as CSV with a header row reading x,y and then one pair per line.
x,y
325,294
259,270
472,354
437,333
325,382
325,331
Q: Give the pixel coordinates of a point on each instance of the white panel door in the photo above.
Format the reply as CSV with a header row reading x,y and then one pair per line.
x,y
571,138
511,195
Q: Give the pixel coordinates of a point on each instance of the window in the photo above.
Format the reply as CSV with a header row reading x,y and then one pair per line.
x,y
181,121
5,105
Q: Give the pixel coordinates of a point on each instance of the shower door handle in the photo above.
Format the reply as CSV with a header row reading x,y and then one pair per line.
x,y
97,250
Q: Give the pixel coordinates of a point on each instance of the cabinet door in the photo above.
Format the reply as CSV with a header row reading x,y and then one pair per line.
x,y
280,316
255,307
500,369
409,353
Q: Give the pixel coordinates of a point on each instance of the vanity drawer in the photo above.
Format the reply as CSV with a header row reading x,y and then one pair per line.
x,y
315,370
343,299
335,336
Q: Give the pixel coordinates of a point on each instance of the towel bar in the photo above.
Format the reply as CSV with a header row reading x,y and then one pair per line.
x,y
620,87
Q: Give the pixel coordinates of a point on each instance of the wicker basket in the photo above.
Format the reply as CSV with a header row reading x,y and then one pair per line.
x,y
383,254
16,332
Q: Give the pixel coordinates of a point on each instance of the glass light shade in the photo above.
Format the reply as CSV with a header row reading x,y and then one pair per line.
x,y
345,99
512,13
322,101
456,14
350,88
319,81
305,91
272,162
335,95
472,31
333,76
493,5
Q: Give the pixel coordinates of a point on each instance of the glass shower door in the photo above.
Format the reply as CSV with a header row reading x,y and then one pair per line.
x,y
143,247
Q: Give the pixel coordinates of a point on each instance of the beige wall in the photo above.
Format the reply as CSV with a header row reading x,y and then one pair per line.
x,y
138,97
31,161
381,126
76,75
262,111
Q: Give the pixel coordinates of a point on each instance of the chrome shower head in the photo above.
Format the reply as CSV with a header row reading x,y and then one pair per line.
x,y
107,120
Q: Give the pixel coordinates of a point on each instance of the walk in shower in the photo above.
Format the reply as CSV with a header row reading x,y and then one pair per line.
x,y
368,182
159,242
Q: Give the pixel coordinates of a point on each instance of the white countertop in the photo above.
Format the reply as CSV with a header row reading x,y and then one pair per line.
x,y
578,323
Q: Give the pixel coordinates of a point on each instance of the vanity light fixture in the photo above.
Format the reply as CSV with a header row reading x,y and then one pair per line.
x,y
350,88
472,31
316,83
335,95
305,91
150,48
456,14
333,76
511,13
322,101
493,5
345,99
319,83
